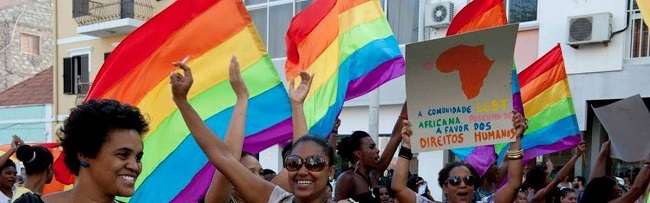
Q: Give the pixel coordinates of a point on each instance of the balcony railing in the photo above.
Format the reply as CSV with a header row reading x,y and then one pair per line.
x,y
87,12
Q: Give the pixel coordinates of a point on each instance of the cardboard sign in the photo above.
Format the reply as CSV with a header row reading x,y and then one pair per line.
x,y
626,121
459,89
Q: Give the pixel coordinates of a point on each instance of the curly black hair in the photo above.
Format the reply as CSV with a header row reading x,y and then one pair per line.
x,y
348,145
89,125
7,164
536,178
320,142
443,175
36,159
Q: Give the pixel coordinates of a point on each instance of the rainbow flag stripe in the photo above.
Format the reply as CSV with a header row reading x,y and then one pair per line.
x,y
137,73
350,48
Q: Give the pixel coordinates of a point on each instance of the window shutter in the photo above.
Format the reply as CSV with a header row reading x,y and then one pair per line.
x,y
68,76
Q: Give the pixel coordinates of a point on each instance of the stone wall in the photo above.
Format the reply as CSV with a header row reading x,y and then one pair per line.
x,y
33,17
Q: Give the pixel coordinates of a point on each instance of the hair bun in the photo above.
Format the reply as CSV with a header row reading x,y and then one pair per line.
x,y
25,153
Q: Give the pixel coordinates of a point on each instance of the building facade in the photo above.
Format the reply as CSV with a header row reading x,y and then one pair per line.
x,y
598,72
26,42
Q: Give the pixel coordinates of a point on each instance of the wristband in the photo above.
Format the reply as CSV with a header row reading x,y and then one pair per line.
x,y
334,132
405,153
403,117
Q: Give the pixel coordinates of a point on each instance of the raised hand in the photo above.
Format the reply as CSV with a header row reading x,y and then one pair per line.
x,y
236,80
16,142
298,93
582,147
337,123
520,123
406,133
181,83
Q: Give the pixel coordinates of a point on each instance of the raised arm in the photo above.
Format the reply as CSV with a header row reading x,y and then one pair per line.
x,y
395,139
221,189
400,177
15,143
251,186
334,133
503,170
598,169
297,94
640,184
541,194
508,192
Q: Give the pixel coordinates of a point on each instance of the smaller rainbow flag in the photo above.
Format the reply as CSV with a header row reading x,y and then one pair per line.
x,y
545,93
349,46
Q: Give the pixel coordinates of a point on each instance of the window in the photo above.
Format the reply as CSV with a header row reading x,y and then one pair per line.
x,y
521,10
272,19
639,41
76,75
29,44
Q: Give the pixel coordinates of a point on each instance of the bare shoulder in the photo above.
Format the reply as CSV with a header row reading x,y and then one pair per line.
x,y
57,197
345,178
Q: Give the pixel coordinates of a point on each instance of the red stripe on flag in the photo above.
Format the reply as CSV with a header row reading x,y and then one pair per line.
x,y
123,58
472,11
539,67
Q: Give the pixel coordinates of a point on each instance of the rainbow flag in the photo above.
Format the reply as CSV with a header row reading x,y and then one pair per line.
x,y
137,72
477,15
545,93
350,48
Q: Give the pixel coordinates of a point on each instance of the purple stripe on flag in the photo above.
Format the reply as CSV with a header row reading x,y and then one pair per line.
x,y
385,72
278,133
482,158
255,143
198,187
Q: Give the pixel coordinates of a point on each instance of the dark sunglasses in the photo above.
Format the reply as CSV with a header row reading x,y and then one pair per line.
x,y
455,180
312,163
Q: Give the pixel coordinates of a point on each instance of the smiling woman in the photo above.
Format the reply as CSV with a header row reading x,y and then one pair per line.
x,y
103,147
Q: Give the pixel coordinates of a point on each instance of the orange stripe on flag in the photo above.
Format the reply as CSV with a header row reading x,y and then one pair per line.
x,y
486,20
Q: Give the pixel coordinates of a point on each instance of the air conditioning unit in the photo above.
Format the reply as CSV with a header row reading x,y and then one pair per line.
x,y
439,14
586,29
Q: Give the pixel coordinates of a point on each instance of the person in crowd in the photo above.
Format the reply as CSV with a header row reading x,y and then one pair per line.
x,y
579,183
566,195
381,191
38,166
458,179
565,183
545,189
605,189
419,185
487,182
367,166
308,167
8,171
268,174
328,192
521,196
103,148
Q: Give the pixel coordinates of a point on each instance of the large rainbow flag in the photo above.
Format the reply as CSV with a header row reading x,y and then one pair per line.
x,y
137,72
350,48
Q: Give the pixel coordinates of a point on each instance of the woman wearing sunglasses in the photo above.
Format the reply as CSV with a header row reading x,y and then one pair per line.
x,y
309,165
457,179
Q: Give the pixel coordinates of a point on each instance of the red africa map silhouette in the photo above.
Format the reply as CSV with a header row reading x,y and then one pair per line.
x,y
471,63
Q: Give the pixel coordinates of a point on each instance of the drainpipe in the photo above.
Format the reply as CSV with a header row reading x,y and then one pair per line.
x,y
55,67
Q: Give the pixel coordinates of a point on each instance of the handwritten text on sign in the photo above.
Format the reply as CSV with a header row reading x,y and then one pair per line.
x,y
459,90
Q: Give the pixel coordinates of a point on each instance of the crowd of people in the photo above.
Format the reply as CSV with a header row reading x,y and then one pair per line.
x,y
103,148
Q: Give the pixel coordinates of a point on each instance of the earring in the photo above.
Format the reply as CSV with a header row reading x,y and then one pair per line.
x,y
84,164
356,166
